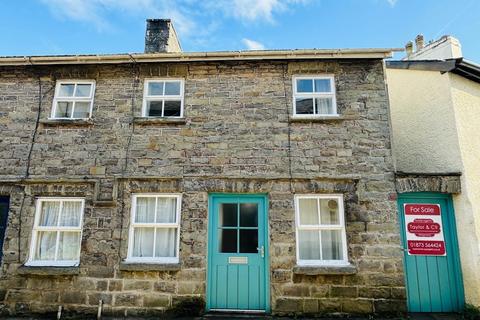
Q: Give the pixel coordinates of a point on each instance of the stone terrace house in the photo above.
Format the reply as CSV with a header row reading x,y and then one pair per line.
x,y
140,183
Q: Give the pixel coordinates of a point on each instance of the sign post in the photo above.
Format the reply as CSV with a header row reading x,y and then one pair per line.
x,y
423,225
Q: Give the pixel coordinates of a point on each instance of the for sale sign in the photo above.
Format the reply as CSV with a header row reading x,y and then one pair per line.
x,y
423,224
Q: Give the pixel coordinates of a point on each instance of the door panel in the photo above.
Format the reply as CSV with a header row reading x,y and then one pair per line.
x,y
434,283
237,271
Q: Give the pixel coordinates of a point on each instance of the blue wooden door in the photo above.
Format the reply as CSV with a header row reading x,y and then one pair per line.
x,y
238,251
434,283
3,221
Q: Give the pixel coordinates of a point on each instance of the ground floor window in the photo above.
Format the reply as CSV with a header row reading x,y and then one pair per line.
x,y
320,230
155,228
57,232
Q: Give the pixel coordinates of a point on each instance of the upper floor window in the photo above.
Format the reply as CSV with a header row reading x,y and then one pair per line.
x,y
57,232
154,228
73,99
320,227
163,98
314,96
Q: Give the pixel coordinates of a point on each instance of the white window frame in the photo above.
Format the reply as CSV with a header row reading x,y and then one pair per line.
x,y
36,229
163,97
313,95
133,224
340,226
57,99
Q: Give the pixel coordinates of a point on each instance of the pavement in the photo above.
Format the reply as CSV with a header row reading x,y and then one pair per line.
x,y
219,316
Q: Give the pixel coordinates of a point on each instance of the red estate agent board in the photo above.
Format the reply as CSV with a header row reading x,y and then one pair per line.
x,y
423,225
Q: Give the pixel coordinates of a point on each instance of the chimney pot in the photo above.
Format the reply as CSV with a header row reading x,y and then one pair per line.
x,y
419,42
160,36
409,48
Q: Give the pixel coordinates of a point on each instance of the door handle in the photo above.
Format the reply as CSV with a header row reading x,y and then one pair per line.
x,y
262,251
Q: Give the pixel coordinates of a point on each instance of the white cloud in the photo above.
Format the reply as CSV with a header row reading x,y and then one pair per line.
x,y
253,45
95,11
183,12
189,16
252,10
256,9
78,10
392,2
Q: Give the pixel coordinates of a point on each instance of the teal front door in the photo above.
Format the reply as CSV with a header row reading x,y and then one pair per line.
x,y
432,262
238,253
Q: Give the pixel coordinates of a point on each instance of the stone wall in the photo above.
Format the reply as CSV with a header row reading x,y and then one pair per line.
x,y
237,137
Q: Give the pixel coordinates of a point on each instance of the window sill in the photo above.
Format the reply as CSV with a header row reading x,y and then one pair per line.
x,y
325,270
317,118
139,266
48,271
158,120
66,122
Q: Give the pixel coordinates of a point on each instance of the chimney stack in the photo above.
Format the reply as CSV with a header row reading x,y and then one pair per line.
x,y
419,42
160,36
409,48
447,47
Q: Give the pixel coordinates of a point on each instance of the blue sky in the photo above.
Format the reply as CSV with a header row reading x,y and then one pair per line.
x,y
39,27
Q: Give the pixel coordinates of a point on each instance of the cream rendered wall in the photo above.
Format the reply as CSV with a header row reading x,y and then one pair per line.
x,y
466,100
436,129
423,123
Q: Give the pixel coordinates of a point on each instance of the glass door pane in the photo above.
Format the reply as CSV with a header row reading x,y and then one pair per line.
x,y
249,241
228,240
228,215
248,215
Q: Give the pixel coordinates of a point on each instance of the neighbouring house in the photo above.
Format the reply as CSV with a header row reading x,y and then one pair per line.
x,y
137,184
435,113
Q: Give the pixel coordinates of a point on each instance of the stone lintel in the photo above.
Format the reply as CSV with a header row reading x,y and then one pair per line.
x,y
325,270
48,271
413,182
126,266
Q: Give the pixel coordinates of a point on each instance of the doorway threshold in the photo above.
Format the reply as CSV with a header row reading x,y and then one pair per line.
x,y
237,314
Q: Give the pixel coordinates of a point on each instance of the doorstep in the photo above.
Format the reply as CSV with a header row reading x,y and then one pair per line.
x,y
236,315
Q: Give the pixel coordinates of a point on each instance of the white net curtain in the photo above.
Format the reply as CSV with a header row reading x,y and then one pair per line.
x,y
157,240
58,235
315,241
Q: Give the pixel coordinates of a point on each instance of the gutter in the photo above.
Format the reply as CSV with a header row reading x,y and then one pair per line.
x,y
253,55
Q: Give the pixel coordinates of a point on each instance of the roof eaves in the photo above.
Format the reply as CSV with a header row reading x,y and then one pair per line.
x,y
427,65
461,67
201,56
468,69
